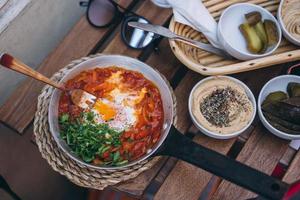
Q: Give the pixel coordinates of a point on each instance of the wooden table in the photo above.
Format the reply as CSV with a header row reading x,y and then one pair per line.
x,y
170,178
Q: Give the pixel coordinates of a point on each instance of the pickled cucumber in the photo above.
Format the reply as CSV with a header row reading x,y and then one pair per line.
x,y
293,89
279,126
253,18
254,43
284,111
271,31
282,122
260,31
259,35
275,96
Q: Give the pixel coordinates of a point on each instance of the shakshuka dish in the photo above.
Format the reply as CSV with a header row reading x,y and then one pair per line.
x,y
124,123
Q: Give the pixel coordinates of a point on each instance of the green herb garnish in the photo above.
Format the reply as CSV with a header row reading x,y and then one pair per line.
x,y
89,140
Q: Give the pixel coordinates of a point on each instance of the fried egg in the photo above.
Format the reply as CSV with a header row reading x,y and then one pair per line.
x,y
118,107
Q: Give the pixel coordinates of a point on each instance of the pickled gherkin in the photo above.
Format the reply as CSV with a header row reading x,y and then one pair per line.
x,y
279,126
293,89
254,43
259,34
271,31
260,31
275,96
282,122
294,101
282,110
253,18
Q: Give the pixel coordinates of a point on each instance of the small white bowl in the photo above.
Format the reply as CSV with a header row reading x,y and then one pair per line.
x,y
286,34
276,84
231,37
218,135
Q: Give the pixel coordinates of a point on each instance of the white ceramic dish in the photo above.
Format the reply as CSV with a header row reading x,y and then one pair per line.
x,y
286,34
230,36
276,84
217,135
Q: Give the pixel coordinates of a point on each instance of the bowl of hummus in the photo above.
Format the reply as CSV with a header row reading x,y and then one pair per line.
x,y
222,107
288,15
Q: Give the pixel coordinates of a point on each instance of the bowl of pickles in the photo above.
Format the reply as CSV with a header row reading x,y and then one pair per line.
x,y
279,106
248,31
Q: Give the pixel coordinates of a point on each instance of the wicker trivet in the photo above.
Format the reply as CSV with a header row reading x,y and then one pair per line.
x,y
62,163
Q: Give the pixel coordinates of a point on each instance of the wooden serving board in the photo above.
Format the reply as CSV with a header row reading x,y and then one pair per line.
x,y
209,64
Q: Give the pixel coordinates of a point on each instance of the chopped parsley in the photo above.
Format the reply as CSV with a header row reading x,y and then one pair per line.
x,y
90,140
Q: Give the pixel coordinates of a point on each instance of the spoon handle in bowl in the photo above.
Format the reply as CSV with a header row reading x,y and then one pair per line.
x,y
12,63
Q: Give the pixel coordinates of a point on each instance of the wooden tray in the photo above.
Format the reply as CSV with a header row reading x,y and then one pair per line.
x,y
209,64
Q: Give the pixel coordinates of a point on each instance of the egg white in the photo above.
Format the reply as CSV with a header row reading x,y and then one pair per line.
x,y
123,102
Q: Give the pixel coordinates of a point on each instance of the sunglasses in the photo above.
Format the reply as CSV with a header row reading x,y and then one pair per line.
x,y
102,13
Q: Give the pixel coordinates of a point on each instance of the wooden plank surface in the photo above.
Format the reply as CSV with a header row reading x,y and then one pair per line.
x,y
18,111
262,151
136,187
293,172
28,174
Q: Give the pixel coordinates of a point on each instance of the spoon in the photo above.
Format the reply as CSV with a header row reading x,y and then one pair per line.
x,y
79,97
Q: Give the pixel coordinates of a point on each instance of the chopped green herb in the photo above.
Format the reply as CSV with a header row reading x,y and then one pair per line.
x,y
64,117
116,156
123,162
88,139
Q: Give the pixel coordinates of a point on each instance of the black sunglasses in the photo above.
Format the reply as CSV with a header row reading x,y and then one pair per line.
x,y
102,13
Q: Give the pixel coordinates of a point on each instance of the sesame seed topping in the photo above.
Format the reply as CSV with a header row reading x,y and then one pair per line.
x,y
216,106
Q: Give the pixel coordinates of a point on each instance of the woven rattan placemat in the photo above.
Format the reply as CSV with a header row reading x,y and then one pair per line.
x,y
61,162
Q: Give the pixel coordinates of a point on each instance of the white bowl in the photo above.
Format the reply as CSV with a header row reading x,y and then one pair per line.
x,y
217,135
286,34
230,36
276,84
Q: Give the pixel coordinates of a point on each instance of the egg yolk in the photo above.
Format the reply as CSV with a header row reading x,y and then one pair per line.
x,y
107,112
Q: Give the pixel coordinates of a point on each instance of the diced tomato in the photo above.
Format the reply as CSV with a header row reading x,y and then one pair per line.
x,y
127,134
141,134
105,154
127,146
114,149
139,149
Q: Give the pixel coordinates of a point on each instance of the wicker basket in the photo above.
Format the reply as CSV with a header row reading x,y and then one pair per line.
x,y
209,64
